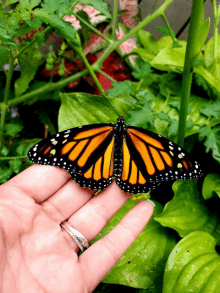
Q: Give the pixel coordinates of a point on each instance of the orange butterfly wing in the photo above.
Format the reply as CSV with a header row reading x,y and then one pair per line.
x,y
76,149
158,158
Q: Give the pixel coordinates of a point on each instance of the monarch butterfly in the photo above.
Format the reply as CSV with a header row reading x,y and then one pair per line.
x,y
93,154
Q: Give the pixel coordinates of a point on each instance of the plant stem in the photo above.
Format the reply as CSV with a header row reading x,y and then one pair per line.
x,y
6,96
168,26
215,36
12,158
92,28
50,87
106,75
197,17
114,19
91,71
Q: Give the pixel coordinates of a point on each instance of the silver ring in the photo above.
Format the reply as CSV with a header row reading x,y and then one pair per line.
x,y
80,240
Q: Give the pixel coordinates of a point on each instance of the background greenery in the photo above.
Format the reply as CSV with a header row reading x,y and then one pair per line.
x,y
177,84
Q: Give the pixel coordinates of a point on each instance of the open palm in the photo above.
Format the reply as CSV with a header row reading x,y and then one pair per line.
x,y
37,255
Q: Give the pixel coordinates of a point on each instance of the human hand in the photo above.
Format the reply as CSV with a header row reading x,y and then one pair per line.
x,y
37,255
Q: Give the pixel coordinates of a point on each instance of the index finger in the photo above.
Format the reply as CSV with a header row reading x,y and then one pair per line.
x,y
40,182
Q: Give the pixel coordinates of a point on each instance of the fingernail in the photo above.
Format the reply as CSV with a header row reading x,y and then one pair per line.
x,y
151,202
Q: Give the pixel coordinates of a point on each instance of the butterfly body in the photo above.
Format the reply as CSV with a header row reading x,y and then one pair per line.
x,y
95,154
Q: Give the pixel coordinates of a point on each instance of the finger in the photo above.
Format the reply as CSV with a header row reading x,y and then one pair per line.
x,y
91,218
40,182
66,201
100,258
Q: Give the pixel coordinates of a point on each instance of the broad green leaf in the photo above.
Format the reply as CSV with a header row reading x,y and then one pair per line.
x,y
211,186
148,41
208,52
5,174
187,211
212,81
165,41
62,27
15,165
81,109
144,54
170,59
142,265
29,66
193,266
99,5
201,36
211,137
3,55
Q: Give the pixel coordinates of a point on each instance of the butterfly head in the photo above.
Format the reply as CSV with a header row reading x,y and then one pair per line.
x,y
120,119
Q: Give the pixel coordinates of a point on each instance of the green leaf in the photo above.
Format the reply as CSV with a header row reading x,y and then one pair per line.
x,y
144,54
193,265
6,38
3,55
4,151
81,109
211,137
120,88
60,7
12,129
170,59
29,66
187,211
62,27
201,37
9,2
15,165
209,53
165,31
142,71
148,41
211,186
176,44
142,265
99,5
141,114
20,149
5,174
211,109
85,30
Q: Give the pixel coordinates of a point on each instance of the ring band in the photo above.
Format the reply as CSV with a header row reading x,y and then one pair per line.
x,y
80,240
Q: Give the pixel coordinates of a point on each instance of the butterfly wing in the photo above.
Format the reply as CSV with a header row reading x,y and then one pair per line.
x,y
76,149
129,177
158,158
100,174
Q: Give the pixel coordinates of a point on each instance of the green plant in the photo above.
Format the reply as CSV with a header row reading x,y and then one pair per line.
x,y
177,86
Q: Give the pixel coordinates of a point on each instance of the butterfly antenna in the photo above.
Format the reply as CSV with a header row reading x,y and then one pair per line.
x,y
132,107
111,106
